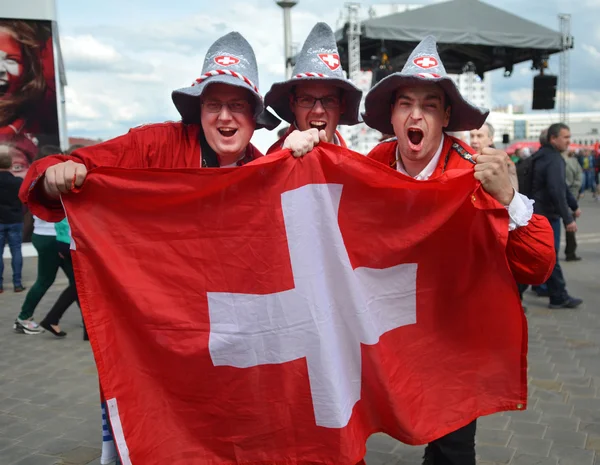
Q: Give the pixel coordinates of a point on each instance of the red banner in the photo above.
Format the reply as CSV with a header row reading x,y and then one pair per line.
x,y
28,103
284,311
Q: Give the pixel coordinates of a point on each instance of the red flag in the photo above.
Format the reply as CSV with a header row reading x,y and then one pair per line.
x,y
282,312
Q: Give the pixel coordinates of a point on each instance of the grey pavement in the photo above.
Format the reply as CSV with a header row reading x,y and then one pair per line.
x,y
50,415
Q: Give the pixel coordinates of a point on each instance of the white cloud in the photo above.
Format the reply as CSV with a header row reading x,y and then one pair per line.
x,y
591,4
86,53
122,75
110,92
594,52
522,96
584,101
579,99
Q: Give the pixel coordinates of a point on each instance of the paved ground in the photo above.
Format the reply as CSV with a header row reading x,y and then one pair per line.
x,y
49,411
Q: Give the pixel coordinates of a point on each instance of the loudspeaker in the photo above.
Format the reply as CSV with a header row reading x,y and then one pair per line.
x,y
505,138
544,92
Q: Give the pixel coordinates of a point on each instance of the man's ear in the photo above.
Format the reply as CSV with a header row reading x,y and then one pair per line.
x,y
447,113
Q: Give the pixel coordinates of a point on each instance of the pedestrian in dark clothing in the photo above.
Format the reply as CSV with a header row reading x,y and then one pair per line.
x,y
11,219
554,201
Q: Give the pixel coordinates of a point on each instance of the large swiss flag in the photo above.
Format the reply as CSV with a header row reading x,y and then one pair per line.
x,y
282,312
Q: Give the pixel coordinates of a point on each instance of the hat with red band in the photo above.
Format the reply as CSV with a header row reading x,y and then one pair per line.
x,y
318,61
423,65
230,60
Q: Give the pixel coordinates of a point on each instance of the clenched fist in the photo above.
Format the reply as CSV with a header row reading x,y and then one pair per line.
x,y
64,177
302,142
491,170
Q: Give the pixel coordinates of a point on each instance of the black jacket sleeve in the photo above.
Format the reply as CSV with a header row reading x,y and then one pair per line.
x,y
556,186
571,200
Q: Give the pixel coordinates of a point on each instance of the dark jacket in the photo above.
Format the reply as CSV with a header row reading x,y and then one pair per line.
x,y
550,192
11,209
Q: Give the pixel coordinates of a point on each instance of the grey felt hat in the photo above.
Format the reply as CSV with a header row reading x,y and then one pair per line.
x,y
423,65
230,60
319,61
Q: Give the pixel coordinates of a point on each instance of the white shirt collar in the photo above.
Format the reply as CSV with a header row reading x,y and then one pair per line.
x,y
428,170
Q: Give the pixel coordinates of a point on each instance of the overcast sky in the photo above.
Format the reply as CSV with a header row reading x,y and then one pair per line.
x,y
124,57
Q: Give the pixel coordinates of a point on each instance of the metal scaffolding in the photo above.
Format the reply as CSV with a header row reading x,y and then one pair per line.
x,y
563,78
469,76
353,10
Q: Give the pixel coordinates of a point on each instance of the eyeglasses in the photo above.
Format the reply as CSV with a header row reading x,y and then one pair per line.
x,y
235,106
307,101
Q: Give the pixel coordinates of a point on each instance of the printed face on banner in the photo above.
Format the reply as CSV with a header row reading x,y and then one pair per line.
x,y
29,110
11,63
20,164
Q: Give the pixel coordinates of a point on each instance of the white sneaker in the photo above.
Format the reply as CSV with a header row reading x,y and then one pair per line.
x,y
27,327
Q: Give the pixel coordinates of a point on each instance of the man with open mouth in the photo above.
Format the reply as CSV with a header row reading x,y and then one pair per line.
x,y
317,97
219,113
418,105
422,104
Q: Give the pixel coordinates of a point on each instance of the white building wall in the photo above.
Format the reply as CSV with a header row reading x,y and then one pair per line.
x,y
480,89
28,9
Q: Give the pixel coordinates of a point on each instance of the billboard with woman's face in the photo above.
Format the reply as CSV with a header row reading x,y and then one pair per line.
x,y
28,104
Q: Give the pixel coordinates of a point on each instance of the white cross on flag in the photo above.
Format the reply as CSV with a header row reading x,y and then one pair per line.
x,y
307,322
226,60
426,62
282,312
332,60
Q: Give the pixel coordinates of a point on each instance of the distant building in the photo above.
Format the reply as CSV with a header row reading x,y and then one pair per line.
x,y
585,126
83,141
474,89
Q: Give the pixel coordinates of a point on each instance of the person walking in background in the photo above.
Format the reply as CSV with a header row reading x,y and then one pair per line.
x,y
574,179
552,200
482,137
43,239
588,163
63,240
11,220
524,154
596,155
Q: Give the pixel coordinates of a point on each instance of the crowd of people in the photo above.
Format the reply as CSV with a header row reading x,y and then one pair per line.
x,y
417,107
51,242
555,179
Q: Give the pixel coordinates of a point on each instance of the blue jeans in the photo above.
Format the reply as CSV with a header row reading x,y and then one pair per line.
x,y
589,181
13,235
557,288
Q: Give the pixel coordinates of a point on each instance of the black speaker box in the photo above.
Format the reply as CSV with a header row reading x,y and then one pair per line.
x,y
544,92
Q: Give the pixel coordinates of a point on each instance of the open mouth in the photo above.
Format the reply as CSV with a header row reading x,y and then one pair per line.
x,y
3,87
318,124
415,138
227,132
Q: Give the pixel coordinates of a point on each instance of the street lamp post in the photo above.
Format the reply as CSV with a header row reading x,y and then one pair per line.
x,y
287,5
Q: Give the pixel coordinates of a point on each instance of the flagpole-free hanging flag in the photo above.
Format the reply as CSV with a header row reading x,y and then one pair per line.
x,y
235,320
